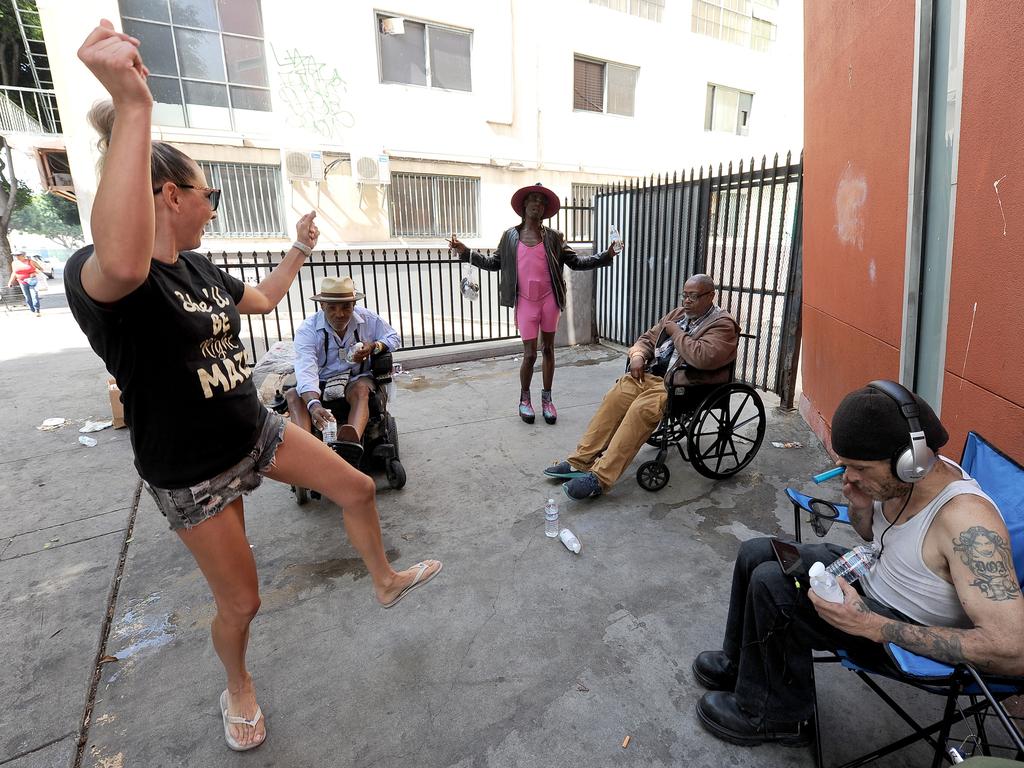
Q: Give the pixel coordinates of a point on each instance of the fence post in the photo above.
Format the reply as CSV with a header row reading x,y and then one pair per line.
x,y
792,313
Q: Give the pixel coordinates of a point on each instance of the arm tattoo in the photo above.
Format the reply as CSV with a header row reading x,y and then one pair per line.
x,y
941,644
987,556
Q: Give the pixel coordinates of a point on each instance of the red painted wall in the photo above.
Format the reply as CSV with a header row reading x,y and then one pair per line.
x,y
858,70
984,382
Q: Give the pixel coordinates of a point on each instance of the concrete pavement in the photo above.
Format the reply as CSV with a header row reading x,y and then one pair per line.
x,y
518,654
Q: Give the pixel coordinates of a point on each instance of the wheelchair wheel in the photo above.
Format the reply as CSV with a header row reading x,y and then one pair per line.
x,y
676,428
301,495
652,475
726,431
395,473
393,436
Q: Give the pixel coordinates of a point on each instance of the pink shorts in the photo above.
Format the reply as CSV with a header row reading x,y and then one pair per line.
x,y
532,316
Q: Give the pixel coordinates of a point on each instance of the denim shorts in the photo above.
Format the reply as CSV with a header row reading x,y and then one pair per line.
x,y
188,507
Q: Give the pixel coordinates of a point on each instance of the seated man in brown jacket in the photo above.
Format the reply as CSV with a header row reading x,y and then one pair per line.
x,y
693,344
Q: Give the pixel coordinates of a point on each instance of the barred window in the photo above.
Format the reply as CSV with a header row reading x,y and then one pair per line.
x,y
645,9
735,21
425,205
251,200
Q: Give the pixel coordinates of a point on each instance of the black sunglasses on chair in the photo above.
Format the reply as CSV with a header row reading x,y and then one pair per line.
x,y
213,196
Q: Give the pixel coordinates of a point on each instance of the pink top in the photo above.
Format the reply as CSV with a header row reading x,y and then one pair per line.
x,y
532,271
23,271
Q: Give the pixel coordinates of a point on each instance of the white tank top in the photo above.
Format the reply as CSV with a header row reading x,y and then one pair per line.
x,y
901,580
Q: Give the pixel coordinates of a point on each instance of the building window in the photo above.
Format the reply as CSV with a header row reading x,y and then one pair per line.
x,y
205,57
600,86
736,21
728,110
251,203
645,9
416,53
425,205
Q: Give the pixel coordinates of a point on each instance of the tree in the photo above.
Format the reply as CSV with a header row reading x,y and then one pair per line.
x,y
50,216
13,195
14,69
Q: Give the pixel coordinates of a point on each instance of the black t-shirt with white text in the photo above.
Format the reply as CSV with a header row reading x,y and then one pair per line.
x,y
172,345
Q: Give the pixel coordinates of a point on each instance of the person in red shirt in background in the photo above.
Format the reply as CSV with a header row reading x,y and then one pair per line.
x,y
26,272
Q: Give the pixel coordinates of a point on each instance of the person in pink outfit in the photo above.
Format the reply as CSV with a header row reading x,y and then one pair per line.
x,y
531,258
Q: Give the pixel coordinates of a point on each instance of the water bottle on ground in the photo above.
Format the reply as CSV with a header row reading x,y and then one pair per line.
x,y
551,519
616,239
855,563
825,584
330,432
569,539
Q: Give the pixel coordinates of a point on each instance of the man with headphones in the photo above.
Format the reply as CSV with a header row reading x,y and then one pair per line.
x,y
944,585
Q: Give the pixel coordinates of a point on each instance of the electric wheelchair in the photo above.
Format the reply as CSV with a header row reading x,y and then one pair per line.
x,y
380,438
718,428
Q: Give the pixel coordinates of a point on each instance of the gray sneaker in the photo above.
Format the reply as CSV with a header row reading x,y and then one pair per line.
x,y
563,471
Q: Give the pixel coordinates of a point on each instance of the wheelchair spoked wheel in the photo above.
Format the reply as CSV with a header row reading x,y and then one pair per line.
x,y
726,431
676,429
652,475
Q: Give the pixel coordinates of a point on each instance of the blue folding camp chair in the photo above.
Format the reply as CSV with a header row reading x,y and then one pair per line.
x,y
1003,480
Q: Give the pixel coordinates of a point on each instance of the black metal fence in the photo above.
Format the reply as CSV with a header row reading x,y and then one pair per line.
x,y
740,226
417,291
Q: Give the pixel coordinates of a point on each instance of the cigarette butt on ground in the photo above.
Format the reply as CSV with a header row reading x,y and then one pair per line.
x,y
625,741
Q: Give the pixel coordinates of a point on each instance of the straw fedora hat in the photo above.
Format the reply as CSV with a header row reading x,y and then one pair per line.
x,y
337,289
519,199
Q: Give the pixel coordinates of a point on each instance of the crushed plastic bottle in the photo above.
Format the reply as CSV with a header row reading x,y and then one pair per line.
x,y
353,350
569,539
88,441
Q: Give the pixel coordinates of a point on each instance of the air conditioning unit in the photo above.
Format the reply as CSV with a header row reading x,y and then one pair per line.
x,y
304,166
372,169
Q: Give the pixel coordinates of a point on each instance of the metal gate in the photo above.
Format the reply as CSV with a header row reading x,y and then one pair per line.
x,y
742,227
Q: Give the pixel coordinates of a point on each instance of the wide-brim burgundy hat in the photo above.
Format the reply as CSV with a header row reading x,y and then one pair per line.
x,y
519,199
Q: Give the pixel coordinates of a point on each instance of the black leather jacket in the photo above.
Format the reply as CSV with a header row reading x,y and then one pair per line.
x,y
559,256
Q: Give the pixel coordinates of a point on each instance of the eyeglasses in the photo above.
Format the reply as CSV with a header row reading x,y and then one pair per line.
x,y
691,296
213,194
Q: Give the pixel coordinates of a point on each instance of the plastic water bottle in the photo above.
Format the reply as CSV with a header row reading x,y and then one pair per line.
x,y
569,539
856,562
353,350
551,519
330,432
616,239
825,584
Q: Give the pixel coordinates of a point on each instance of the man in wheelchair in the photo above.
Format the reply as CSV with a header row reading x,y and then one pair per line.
x,y
336,353
943,586
693,345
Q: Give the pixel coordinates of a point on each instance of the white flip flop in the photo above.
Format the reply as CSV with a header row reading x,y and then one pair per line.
x,y
230,720
419,581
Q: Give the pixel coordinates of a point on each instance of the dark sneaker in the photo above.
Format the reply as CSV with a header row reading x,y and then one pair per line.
x,y
721,715
715,671
350,451
526,412
563,471
581,488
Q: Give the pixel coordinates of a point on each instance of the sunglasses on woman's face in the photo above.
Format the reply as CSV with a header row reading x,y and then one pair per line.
x,y
212,194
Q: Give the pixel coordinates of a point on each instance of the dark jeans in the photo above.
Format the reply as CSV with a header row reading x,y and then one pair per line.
x,y
772,628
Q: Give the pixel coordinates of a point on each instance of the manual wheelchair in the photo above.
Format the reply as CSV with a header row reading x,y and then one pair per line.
x,y
380,438
718,428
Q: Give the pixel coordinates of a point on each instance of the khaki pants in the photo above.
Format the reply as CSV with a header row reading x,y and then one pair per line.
x,y
628,415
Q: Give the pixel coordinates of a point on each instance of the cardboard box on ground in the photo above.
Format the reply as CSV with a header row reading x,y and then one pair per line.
x,y
116,407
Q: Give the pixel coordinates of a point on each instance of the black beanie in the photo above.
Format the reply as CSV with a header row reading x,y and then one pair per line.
x,y
868,426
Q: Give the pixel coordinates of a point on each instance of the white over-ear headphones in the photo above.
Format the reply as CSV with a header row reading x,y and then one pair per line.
x,y
912,462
